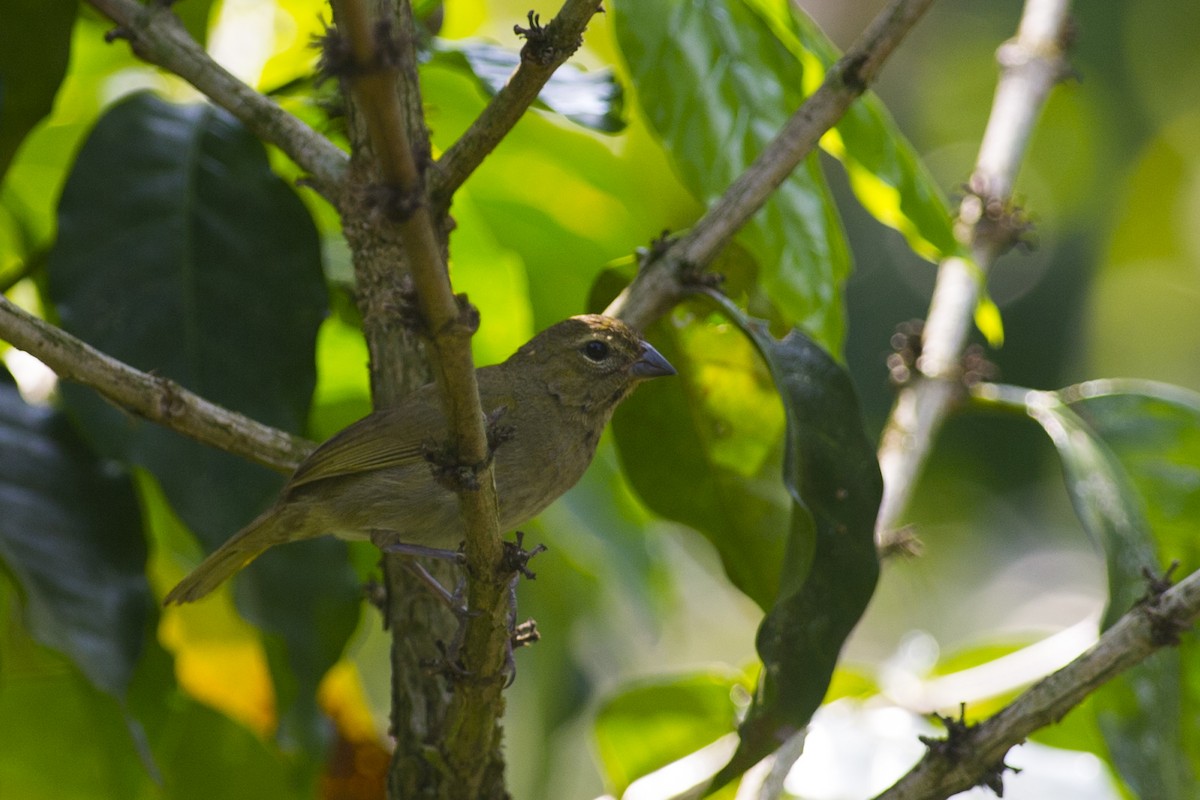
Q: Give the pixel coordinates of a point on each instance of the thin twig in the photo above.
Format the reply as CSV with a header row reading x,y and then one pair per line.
x,y
1032,63
156,35
156,399
979,751
470,750
546,49
660,285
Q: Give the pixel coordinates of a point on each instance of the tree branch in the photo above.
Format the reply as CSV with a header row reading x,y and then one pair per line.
x,y
156,35
661,283
971,755
1032,63
470,753
156,399
546,49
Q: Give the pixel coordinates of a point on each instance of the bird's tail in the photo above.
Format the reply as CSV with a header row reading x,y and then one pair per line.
x,y
242,548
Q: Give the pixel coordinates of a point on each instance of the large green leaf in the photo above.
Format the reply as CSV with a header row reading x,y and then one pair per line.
x,y
720,472
885,172
703,449
35,43
717,83
830,567
181,253
70,533
1145,713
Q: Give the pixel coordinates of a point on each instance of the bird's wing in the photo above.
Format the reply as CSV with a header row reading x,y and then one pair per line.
x,y
393,437
390,438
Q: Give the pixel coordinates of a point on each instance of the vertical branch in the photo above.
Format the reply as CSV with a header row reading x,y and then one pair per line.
x,y
447,745
1031,63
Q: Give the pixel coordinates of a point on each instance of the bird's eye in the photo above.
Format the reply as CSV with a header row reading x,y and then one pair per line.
x,y
596,350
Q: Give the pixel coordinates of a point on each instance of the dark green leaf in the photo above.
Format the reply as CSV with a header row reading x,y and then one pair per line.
x,y
591,98
70,534
649,725
830,567
35,43
181,253
1142,712
716,83
698,451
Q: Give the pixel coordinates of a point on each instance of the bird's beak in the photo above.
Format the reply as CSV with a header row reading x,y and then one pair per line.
x,y
651,364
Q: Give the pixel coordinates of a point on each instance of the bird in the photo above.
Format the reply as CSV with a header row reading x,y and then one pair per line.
x,y
378,479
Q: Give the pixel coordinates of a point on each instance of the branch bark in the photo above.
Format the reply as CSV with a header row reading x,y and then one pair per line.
x,y
661,283
1032,63
154,398
546,49
469,762
970,756
156,35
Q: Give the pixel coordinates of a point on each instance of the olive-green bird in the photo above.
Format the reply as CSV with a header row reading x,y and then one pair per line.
x,y
373,480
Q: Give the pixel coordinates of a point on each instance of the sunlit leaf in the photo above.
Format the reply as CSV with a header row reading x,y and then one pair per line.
x,y
71,536
717,83
181,253
704,449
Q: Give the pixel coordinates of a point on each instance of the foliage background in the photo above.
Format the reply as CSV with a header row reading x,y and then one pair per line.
x,y
1112,182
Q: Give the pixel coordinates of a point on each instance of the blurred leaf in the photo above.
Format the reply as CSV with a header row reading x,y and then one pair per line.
x,y
181,253
592,98
1142,712
830,566
703,449
717,84
35,44
71,536
654,723
1153,430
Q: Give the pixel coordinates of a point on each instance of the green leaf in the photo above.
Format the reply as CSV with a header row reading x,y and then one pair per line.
x,y
884,170
717,83
1142,712
591,98
71,536
830,567
653,723
35,44
181,253
1153,432
703,449
720,472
